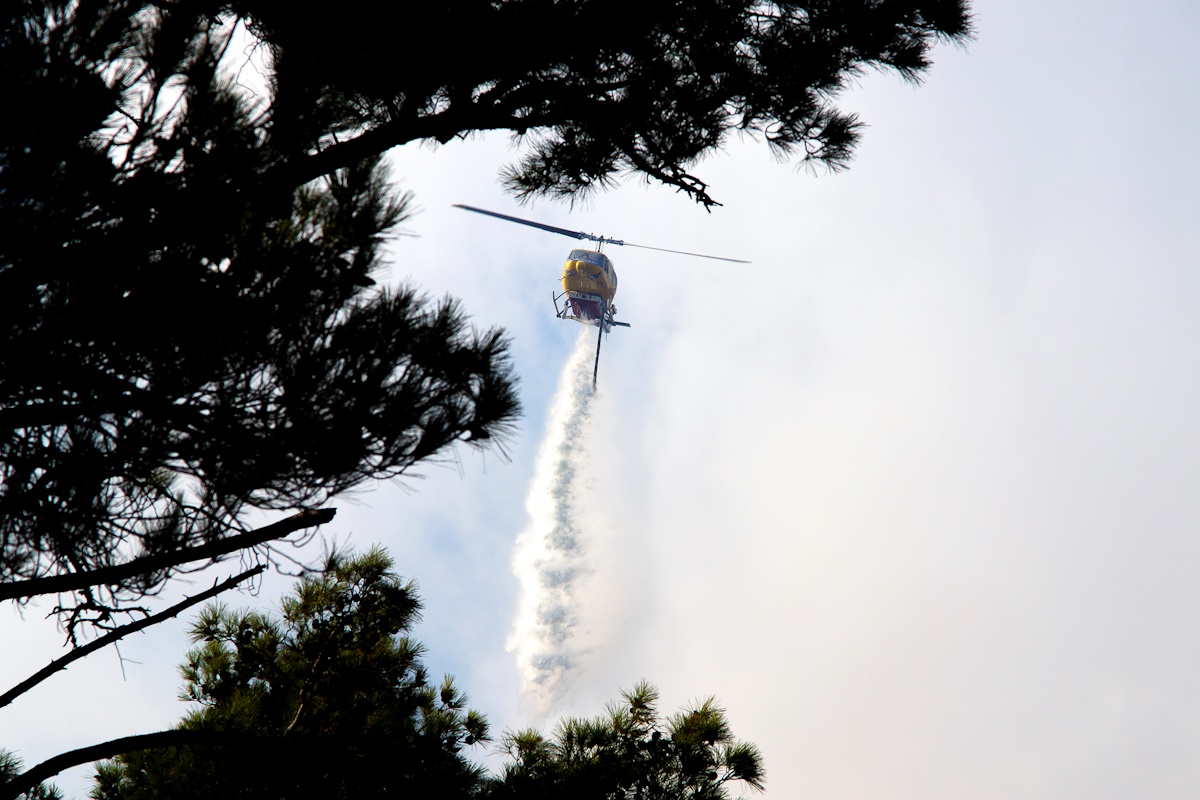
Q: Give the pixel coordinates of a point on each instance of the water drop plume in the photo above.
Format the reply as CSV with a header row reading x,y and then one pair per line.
x,y
550,557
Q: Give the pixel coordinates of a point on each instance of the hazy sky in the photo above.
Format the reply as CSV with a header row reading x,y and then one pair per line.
x,y
914,495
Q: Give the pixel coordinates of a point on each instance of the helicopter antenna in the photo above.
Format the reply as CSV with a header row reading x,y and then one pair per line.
x,y
599,240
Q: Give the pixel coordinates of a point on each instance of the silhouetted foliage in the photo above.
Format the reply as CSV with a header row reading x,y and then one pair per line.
x,y
184,338
599,88
10,767
330,701
333,701
630,753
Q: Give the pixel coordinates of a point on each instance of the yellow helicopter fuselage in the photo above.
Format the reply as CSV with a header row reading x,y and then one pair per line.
x,y
589,272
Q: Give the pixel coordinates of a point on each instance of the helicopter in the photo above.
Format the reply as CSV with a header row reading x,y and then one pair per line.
x,y
589,281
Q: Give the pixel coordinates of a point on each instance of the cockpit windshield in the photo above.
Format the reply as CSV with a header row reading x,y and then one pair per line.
x,y
592,257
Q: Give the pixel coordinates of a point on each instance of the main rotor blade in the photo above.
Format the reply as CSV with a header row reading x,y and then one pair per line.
x,y
590,237
682,252
573,234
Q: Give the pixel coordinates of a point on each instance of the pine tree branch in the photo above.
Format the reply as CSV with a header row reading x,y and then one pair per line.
x,y
296,173
80,652
115,747
74,581
441,127
555,103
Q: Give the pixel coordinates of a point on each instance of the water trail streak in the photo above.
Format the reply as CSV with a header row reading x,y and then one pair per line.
x,y
550,557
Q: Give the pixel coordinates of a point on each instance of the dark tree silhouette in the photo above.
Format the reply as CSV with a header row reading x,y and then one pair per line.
x,y
598,88
631,752
10,770
332,701
185,340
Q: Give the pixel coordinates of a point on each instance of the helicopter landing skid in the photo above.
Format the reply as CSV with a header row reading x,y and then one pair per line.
x,y
604,324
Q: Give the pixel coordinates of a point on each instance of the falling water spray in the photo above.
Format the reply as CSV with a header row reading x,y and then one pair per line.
x,y
550,559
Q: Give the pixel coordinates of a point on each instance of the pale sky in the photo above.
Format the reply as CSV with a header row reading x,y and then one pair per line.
x,y
913,495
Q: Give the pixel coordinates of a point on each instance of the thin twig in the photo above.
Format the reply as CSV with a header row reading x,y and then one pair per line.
x,y
74,581
80,652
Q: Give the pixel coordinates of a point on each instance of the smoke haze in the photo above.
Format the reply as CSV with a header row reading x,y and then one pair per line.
x,y
550,557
